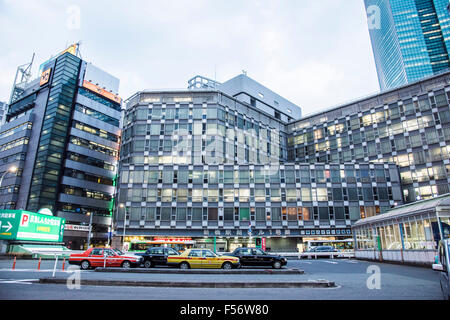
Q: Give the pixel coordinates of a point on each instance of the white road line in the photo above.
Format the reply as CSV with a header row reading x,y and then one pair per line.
x,y
332,262
42,270
18,281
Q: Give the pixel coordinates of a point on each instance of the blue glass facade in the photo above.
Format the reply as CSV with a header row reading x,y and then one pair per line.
x,y
411,40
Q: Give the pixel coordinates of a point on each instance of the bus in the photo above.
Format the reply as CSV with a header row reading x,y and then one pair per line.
x,y
179,244
342,245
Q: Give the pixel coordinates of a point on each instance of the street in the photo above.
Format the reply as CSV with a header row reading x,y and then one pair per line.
x,y
351,277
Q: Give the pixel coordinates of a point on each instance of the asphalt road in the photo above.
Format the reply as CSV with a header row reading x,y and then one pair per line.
x,y
355,280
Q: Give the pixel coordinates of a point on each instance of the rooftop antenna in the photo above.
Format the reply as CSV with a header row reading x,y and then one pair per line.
x,y
244,72
78,53
25,75
215,77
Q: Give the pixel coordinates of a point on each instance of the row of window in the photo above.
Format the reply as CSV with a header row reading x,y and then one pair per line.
x,y
371,134
260,214
258,194
20,127
13,144
395,111
273,174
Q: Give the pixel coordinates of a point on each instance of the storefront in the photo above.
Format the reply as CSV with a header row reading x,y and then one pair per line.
x,y
406,234
229,244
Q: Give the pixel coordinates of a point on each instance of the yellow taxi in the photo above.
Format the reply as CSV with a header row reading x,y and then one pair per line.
x,y
202,258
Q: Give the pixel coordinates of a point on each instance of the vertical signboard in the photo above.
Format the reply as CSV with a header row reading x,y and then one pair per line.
x,y
263,244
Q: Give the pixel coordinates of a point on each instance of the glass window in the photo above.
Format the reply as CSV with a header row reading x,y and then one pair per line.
x,y
244,214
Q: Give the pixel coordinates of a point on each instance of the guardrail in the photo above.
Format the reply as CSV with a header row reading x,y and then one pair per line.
x,y
332,255
310,255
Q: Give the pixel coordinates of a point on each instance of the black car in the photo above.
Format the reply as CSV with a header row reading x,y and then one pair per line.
x,y
157,256
257,257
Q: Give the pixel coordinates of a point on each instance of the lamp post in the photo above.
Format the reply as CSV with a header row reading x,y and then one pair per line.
x,y
90,214
12,169
124,224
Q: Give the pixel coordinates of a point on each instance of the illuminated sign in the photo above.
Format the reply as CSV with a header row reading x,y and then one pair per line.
x,y
74,227
172,240
102,92
45,77
25,225
72,50
46,211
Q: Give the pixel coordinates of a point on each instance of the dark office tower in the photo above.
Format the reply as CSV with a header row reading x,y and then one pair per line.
x,y
54,134
410,39
62,134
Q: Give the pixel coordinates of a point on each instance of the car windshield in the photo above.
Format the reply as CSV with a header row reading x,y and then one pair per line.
x,y
207,253
118,252
258,251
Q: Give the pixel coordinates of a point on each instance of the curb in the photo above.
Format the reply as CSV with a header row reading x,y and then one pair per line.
x,y
202,271
179,284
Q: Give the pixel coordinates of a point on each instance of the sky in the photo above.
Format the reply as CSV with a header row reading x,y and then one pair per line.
x,y
315,53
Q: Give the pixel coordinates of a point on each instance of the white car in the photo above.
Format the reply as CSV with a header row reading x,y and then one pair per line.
x,y
443,265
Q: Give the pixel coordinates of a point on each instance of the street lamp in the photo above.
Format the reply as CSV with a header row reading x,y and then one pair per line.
x,y
12,169
90,214
124,224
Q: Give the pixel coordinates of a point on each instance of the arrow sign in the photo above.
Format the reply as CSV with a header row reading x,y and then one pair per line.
x,y
9,226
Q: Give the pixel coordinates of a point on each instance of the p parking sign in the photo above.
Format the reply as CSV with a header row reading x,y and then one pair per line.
x,y
25,225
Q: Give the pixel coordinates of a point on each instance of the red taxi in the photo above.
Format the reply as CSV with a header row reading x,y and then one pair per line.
x,y
104,257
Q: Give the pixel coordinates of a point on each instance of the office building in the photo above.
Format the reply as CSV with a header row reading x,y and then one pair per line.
x,y
410,39
214,168
408,126
62,133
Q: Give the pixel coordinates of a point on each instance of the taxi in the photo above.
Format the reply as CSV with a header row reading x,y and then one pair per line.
x,y
202,258
104,257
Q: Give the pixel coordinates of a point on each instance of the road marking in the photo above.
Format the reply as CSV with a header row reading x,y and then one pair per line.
x,y
42,270
332,262
351,261
18,281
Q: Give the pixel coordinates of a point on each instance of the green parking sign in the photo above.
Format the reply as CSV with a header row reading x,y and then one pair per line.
x,y
25,225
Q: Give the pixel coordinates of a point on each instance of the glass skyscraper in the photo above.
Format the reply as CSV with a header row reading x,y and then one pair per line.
x,y
410,39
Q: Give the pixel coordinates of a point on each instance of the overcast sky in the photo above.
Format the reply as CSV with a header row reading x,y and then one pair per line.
x,y
315,53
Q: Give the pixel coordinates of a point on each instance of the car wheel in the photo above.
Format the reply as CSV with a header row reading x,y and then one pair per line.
x,y
276,265
126,264
148,264
184,265
85,265
227,266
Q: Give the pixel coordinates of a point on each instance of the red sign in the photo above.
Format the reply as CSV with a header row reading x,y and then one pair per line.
x,y
172,240
263,244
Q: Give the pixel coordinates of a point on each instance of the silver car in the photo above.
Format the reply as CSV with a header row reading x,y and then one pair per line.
x,y
443,265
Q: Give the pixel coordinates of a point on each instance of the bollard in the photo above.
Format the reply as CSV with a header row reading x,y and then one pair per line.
x,y
64,262
54,268
39,264
14,263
